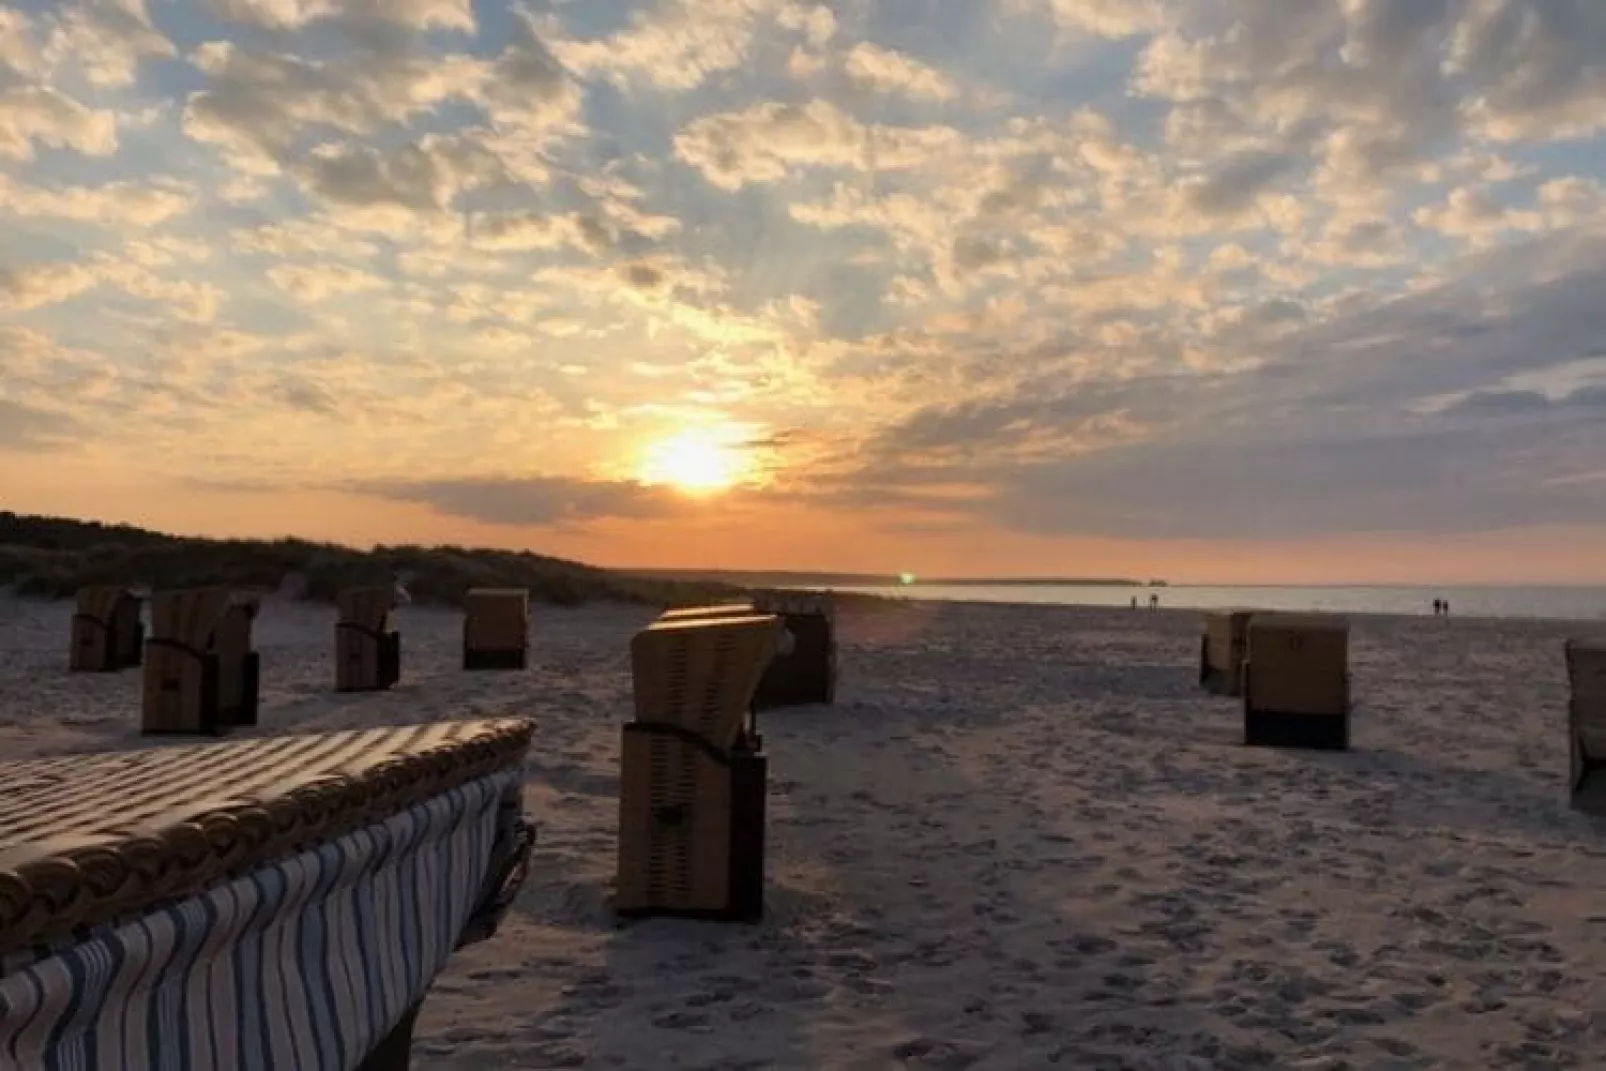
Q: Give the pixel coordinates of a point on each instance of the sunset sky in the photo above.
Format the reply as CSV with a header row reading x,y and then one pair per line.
x,y
1233,290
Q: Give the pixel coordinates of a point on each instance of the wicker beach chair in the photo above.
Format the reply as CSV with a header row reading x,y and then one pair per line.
x,y
1222,647
496,628
107,633
201,674
692,775
367,645
278,902
804,670
1586,723
1296,681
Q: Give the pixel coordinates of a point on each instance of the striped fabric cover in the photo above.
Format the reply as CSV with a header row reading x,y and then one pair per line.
x,y
304,964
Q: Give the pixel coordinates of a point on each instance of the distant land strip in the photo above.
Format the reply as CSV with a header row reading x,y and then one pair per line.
x,y
764,578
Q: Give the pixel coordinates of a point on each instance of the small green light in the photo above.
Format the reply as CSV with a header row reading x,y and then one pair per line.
x,y
906,578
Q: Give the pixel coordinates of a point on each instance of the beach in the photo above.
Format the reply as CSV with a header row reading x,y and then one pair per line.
x,y
1023,837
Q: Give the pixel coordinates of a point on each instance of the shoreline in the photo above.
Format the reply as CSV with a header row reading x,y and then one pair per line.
x,y
1144,609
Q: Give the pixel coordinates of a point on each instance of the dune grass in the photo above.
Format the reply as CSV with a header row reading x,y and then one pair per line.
x,y
54,556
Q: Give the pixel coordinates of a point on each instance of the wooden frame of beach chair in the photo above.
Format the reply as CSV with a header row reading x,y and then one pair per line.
x,y
1296,681
107,633
704,613
201,675
367,644
181,867
1586,724
1222,647
692,782
496,628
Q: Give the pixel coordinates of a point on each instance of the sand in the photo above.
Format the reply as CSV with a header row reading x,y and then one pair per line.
x,y
1023,838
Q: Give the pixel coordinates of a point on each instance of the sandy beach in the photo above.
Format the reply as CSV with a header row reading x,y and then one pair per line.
x,y
1023,838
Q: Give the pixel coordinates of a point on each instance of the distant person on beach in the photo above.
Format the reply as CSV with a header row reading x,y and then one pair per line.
x,y
1438,607
1134,602
1445,603
1154,602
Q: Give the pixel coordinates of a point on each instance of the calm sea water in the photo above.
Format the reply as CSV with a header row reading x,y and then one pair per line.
x,y
1563,603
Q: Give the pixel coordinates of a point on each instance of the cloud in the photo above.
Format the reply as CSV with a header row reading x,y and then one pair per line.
x,y
29,429
888,71
541,501
675,44
319,282
107,40
766,142
142,204
1101,18
31,116
1050,266
38,285
1238,181
1331,432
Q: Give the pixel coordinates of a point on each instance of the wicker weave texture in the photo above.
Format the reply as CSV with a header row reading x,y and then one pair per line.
x,y
674,826
86,838
106,630
496,619
701,674
362,637
1298,664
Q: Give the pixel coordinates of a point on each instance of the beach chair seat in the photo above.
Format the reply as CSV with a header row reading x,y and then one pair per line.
x,y
107,633
496,628
154,903
201,674
1586,723
1222,648
1296,681
692,774
367,643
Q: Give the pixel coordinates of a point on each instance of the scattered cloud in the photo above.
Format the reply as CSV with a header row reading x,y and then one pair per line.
x,y
1192,269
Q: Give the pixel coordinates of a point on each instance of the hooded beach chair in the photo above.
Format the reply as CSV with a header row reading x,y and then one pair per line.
x,y
804,670
107,633
1296,681
201,674
692,775
1586,723
367,645
276,902
1221,651
496,628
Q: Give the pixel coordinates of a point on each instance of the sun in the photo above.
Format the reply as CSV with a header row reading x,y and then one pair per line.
x,y
695,462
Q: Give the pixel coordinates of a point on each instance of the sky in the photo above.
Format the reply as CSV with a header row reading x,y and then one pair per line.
x,y
1210,290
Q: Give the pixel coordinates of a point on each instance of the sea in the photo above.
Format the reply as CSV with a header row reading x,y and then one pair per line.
x,y
1557,603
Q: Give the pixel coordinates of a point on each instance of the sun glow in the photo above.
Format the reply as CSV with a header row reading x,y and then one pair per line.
x,y
696,462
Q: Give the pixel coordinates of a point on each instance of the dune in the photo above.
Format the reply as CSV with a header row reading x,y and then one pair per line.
x,y
1022,838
